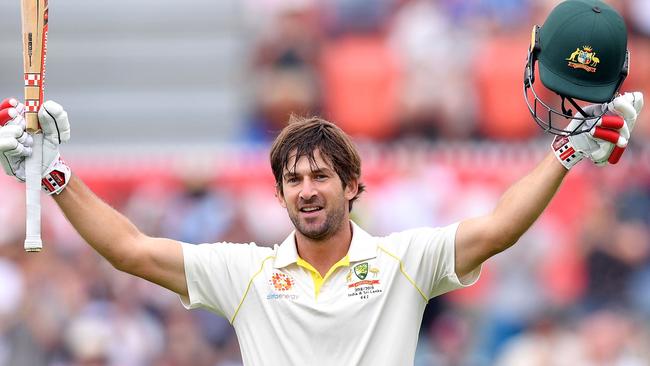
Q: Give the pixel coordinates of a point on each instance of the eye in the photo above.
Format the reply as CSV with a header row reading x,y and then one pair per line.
x,y
320,177
292,180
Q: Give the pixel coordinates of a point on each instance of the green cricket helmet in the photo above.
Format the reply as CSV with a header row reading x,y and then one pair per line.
x,y
581,52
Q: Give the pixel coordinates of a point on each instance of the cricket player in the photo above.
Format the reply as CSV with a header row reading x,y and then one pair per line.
x,y
331,293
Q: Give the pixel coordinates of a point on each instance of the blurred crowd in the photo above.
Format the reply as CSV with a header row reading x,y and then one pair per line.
x,y
395,69
432,92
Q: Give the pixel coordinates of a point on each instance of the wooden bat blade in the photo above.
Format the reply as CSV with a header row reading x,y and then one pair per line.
x,y
35,28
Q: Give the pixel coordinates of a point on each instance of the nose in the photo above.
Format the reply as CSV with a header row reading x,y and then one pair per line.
x,y
307,190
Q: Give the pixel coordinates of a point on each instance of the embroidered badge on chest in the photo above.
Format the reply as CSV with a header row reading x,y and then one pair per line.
x,y
363,281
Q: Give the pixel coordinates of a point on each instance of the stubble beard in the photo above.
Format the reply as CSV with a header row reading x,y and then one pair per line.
x,y
333,222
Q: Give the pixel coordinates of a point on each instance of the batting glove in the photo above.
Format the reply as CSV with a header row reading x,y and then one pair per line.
x,y
15,143
604,139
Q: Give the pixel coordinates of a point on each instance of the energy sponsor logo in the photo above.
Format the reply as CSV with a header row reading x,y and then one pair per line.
x,y
281,281
277,296
282,284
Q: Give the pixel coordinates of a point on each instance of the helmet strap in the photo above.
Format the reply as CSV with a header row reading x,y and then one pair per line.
x,y
625,70
565,111
569,112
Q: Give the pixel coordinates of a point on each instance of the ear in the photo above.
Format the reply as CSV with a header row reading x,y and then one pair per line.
x,y
280,197
351,189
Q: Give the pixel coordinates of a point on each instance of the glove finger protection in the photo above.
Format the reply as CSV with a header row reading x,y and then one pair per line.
x,y
12,103
603,131
627,106
603,140
15,143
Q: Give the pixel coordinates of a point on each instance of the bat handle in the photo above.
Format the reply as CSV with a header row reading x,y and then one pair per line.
x,y
31,115
33,242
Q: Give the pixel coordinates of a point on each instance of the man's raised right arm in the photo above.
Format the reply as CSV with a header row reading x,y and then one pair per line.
x,y
110,233
115,238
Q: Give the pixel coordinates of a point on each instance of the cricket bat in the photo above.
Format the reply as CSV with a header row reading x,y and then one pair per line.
x,y
34,28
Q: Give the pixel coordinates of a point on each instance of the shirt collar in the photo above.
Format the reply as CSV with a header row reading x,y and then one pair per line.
x,y
362,247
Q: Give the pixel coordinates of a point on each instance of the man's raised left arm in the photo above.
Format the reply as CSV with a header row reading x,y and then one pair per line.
x,y
477,239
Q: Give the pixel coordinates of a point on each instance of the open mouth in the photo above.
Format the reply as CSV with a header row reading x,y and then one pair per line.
x,y
311,209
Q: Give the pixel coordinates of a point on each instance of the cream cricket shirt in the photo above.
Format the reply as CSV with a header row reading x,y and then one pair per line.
x,y
365,311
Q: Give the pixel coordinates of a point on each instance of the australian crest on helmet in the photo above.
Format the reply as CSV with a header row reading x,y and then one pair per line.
x,y
584,59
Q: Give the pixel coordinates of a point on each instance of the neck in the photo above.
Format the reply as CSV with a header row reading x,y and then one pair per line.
x,y
323,254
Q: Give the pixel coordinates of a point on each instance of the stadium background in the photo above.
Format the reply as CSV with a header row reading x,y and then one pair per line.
x,y
173,105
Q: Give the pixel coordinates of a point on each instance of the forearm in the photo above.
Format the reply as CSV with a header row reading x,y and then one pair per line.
x,y
480,238
110,233
525,201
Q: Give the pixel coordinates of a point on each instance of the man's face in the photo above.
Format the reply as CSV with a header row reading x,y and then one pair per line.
x,y
314,196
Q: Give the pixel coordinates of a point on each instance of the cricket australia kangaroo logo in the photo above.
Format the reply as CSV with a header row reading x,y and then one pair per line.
x,y
361,270
368,283
584,59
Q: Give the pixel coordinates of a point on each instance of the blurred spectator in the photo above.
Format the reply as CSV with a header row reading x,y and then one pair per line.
x,y
11,291
546,342
447,343
632,207
146,206
360,74
607,338
12,213
615,251
356,16
436,97
291,37
185,346
361,77
512,305
285,58
498,66
638,14
601,338
261,15
137,335
264,218
88,339
199,213
283,91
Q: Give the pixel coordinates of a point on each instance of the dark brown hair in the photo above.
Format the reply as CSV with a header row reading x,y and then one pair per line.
x,y
304,135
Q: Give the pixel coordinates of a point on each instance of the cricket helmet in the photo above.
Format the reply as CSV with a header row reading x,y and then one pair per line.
x,y
581,52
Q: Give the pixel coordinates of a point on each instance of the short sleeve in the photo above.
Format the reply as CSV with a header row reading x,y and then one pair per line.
x,y
428,255
217,275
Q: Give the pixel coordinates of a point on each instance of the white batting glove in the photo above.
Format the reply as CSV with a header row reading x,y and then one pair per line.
x,y
15,143
605,138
